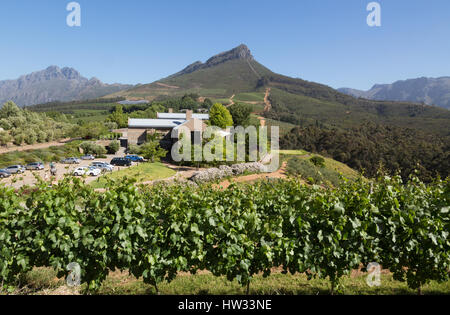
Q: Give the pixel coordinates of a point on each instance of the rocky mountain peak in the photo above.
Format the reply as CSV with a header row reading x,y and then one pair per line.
x,y
240,52
54,84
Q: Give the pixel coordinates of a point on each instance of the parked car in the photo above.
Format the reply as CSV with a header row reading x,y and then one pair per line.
x,y
80,171
71,161
121,162
135,158
105,167
15,169
37,166
93,171
4,174
88,157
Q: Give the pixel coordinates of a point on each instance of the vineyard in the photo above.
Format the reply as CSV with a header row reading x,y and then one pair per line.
x,y
157,232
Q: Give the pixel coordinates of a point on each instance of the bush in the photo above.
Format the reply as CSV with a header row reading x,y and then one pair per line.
x,y
318,161
113,147
311,173
133,149
5,138
19,139
92,148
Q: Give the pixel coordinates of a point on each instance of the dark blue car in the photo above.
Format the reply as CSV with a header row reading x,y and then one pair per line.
x,y
135,158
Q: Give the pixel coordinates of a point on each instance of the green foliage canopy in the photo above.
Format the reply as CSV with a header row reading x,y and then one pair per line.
x,y
220,116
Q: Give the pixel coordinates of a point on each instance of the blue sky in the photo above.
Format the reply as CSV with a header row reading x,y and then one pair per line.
x,y
140,41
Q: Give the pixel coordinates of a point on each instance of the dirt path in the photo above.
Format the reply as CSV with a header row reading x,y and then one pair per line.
x,y
167,86
267,102
37,146
281,173
231,100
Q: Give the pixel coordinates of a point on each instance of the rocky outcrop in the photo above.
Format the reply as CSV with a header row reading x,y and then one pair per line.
x,y
241,52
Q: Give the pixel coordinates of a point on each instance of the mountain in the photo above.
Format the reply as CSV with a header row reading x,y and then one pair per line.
x,y
54,84
220,76
295,101
430,91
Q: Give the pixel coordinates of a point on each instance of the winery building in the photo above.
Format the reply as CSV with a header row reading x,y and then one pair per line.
x,y
138,129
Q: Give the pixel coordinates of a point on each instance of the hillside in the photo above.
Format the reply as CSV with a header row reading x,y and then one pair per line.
x,y
221,76
430,91
299,102
54,84
306,103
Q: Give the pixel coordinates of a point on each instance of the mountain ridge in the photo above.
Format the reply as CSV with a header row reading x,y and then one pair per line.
x,y
426,90
54,84
240,52
223,74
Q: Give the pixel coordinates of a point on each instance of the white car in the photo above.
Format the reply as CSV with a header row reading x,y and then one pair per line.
x,y
93,171
80,171
88,171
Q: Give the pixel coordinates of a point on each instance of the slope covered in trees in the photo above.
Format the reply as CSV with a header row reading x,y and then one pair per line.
x,y
22,126
369,147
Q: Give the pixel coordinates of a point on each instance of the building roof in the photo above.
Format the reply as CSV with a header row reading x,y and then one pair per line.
x,y
155,123
133,102
182,116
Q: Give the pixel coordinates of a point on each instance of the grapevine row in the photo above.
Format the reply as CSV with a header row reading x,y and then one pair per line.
x,y
157,232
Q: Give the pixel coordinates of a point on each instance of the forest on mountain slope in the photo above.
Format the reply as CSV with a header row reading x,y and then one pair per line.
x,y
373,147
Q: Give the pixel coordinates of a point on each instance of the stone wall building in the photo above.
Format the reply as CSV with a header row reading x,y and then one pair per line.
x,y
138,129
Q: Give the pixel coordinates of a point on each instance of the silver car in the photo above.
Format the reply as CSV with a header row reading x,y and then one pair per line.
x,y
71,161
105,167
38,166
15,169
88,157
4,174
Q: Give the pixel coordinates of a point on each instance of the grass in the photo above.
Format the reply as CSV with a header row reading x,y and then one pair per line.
x,y
250,97
143,172
44,281
293,152
299,164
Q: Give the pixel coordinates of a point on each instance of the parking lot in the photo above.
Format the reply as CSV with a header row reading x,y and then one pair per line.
x,y
28,178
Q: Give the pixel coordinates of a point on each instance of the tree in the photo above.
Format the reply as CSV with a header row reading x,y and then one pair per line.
x,y
92,148
111,125
19,139
31,137
240,114
220,116
119,117
92,130
5,138
207,103
113,147
152,151
133,149
9,109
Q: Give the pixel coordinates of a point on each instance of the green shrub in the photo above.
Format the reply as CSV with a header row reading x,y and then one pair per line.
x,y
317,161
113,147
